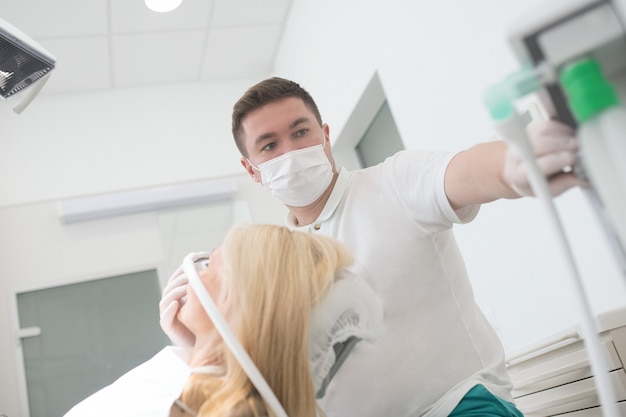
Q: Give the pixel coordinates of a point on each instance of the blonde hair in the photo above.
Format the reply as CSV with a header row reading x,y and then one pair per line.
x,y
272,277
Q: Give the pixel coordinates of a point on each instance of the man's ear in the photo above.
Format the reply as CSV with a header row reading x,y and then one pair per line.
x,y
254,174
326,130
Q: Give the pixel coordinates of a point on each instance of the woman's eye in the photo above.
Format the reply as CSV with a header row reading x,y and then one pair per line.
x,y
202,264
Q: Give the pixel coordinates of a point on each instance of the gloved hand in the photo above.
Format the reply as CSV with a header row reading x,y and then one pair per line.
x,y
173,297
555,146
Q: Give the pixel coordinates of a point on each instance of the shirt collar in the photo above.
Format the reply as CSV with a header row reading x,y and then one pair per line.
x,y
339,189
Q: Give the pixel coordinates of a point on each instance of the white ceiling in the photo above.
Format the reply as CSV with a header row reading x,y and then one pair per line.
x,y
108,44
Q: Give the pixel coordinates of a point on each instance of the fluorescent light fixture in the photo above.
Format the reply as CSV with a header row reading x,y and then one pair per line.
x,y
163,6
137,201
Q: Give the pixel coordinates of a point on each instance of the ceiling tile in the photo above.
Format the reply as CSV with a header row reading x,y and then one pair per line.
x,y
105,44
245,12
133,16
83,64
157,58
56,18
240,52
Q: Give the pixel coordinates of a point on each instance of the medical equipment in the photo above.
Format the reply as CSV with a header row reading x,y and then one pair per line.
x,y
602,126
511,128
549,43
24,64
552,376
558,47
349,312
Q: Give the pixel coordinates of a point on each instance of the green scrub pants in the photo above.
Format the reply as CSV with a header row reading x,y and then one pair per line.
x,y
479,402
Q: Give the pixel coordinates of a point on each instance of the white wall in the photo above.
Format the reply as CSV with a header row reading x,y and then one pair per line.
x,y
68,146
435,59
64,146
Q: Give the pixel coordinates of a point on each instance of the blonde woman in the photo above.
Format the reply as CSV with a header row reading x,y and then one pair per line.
x,y
289,298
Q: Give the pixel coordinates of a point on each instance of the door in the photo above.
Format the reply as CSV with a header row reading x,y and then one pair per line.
x,y
79,338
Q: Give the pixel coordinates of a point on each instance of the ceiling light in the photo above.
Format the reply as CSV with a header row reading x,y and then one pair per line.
x,y
163,5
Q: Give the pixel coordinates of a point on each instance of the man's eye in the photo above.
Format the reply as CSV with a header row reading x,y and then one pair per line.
x,y
301,132
269,147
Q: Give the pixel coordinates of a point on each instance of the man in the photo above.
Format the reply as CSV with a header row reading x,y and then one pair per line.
x,y
438,355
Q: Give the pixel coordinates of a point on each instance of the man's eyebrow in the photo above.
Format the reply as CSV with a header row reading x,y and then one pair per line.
x,y
268,135
298,121
264,136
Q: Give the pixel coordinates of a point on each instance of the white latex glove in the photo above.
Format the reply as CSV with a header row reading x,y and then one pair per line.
x,y
555,147
173,297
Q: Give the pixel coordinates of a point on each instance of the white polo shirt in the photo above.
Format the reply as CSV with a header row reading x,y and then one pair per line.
x,y
436,344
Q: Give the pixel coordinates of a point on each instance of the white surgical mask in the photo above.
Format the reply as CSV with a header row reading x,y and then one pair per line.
x,y
299,177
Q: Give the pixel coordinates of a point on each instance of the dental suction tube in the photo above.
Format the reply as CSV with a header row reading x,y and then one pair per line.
x,y
228,336
509,125
602,132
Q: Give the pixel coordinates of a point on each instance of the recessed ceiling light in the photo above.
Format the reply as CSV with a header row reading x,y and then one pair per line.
x,y
163,6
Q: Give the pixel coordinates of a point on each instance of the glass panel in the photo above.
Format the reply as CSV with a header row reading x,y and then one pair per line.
x,y
92,333
382,139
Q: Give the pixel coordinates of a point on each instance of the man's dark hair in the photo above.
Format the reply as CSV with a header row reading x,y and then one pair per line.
x,y
265,92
